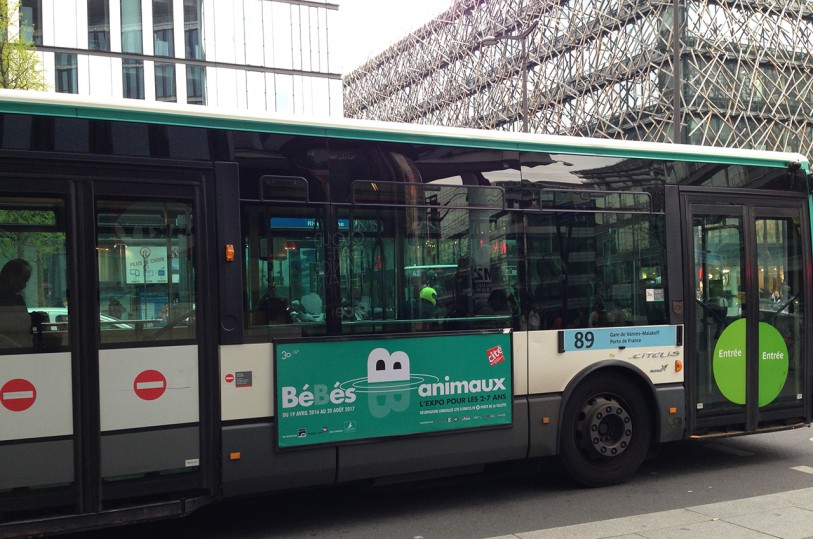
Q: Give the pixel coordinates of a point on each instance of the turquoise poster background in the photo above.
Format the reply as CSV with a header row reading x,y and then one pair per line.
x,y
349,390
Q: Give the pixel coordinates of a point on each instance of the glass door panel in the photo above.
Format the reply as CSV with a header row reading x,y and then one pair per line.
x,y
719,289
149,369
37,438
780,274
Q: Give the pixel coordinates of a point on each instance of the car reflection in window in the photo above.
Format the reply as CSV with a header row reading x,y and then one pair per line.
x,y
57,319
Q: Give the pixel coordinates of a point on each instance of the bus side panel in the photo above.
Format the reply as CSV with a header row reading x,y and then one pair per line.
x,y
251,463
258,468
123,454
550,371
399,456
36,421
544,424
549,374
672,411
36,464
246,382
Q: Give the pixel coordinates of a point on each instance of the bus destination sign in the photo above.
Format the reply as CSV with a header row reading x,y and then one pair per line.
x,y
580,340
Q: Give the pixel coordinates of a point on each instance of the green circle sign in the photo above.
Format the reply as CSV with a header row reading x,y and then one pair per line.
x,y
728,364
773,363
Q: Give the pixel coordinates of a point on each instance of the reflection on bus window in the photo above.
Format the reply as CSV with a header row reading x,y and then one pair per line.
x,y
781,277
146,277
595,270
458,270
33,275
284,270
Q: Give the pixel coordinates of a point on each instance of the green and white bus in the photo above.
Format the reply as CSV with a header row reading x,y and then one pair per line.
x,y
219,304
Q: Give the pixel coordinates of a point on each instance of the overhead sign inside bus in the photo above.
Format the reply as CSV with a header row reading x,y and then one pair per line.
x,y
303,223
146,265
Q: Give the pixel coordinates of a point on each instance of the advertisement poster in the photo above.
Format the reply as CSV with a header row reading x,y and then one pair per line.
x,y
351,390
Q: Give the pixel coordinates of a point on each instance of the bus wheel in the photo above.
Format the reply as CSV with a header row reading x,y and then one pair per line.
x,y
606,430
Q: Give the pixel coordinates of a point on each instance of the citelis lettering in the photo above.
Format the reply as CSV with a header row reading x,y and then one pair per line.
x,y
656,355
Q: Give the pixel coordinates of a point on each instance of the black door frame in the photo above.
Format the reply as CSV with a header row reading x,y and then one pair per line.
x,y
79,182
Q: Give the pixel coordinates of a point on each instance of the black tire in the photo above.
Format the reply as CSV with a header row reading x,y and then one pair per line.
x,y
606,431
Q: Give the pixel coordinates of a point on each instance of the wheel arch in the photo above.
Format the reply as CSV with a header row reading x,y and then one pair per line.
x,y
633,373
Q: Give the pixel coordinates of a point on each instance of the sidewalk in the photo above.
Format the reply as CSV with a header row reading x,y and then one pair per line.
x,y
787,515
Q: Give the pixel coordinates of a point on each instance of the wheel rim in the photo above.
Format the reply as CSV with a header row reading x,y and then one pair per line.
x,y
604,427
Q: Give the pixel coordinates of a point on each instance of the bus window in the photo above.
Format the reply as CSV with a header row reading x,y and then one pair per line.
x,y
366,253
284,270
414,269
146,273
33,275
595,270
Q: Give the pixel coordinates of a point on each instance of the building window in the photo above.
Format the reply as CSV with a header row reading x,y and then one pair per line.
x,y
98,25
131,38
66,73
192,29
196,85
163,33
132,42
31,21
133,78
193,41
165,82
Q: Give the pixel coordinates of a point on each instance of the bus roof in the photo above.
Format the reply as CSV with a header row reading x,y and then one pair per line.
x,y
73,106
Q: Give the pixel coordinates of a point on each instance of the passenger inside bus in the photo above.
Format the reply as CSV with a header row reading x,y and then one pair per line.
x,y
425,306
15,321
309,308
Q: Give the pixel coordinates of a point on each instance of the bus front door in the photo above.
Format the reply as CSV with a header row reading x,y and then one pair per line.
x,y
746,309
100,370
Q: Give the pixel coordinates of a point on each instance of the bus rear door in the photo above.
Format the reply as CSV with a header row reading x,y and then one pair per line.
x,y
100,374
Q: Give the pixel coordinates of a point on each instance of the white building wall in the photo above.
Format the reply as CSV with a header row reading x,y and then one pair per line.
x,y
147,43
254,40
250,48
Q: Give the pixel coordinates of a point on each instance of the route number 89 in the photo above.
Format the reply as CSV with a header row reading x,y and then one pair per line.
x,y
583,340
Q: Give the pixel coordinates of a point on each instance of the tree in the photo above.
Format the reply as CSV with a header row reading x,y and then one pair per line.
x,y
19,63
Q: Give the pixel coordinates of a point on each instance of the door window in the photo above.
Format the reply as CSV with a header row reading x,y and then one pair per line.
x,y
146,272
719,277
781,318
33,275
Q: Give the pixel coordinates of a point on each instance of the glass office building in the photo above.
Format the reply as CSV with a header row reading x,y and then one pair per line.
x,y
259,55
723,73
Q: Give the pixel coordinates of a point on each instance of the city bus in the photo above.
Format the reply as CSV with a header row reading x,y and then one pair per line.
x,y
200,304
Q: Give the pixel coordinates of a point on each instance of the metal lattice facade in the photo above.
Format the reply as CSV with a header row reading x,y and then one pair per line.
x,y
605,68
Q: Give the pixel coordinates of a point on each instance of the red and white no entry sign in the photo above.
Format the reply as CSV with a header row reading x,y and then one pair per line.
x,y
229,378
149,385
18,395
